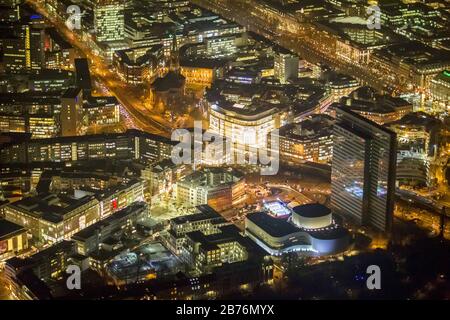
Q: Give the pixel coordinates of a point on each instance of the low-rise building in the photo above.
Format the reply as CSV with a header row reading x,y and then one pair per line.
x,y
163,175
27,277
101,111
205,220
13,239
440,94
219,188
308,141
51,218
93,238
205,252
378,108
139,65
133,144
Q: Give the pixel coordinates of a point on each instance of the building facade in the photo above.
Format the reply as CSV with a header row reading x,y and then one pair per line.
x,y
363,170
109,21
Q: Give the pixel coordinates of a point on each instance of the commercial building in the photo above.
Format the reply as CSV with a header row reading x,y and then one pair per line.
x,y
418,145
355,42
71,112
49,113
208,243
310,140
219,188
363,170
13,239
286,65
340,86
123,222
308,228
90,178
205,252
162,176
47,80
49,263
412,63
248,125
51,217
27,277
22,47
58,53
139,65
109,21
31,112
440,94
415,20
375,107
199,67
101,111
206,220
246,113
132,144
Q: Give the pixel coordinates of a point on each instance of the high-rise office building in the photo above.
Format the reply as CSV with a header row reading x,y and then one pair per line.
x,y
285,65
22,47
11,10
363,170
109,21
71,112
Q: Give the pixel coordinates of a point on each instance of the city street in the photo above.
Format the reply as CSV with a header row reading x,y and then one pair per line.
x,y
293,34
130,99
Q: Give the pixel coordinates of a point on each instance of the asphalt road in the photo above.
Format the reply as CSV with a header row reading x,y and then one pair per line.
x,y
130,100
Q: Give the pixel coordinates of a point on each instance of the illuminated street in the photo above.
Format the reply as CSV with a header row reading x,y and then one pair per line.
x,y
129,100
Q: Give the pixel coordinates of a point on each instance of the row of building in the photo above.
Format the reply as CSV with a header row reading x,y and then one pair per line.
x,y
52,217
55,113
131,145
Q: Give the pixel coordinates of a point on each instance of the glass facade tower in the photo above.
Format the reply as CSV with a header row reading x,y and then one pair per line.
x,y
363,170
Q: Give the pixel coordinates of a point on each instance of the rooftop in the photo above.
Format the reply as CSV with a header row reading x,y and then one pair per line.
x,y
205,213
316,125
312,210
212,177
98,226
9,229
226,234
50,207
171,80
275,227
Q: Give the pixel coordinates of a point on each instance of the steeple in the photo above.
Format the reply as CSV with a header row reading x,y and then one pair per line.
x,y
174,55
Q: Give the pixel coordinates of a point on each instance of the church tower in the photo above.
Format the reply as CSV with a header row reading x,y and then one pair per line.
x,y
174,55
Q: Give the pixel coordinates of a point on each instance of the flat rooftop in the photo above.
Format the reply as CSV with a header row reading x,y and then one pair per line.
x,y
205,213
9,229
226,234
212,177
50,207
98,226
275,227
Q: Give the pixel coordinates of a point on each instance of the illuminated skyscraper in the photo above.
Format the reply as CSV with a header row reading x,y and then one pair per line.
x,y
109,21
363,170
11,10
285,65
22,48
